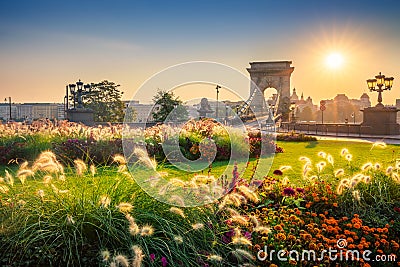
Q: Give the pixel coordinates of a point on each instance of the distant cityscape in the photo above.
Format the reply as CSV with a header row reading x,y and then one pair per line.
x,y
340,109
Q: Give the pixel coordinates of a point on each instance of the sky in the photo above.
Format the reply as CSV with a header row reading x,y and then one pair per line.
x,y
45,45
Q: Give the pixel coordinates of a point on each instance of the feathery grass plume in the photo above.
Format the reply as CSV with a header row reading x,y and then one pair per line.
x,y
70,220
241,241
47,179
284,168
147,230
237,232
395,177
4,189
248,193
177,200
366,166
25,172
40,193
163,189
63,191
355,180
122,168
320,166
367,179
129,218
9,178
2,180
105,255
176,182
51,167
153,180
23,165
197,226
144,158
232,212
356,195
138,258
134,229
306,169
339,189
379,145
389,170
339,172
344,152
125,207
236,199
254,221
238,219
262,229
80,166
177,211
214,257
121,260
178,239
241,254
62,177
93,170
329,158
113,264
322,154
397,163
377,166
118,158
302,158
104,201
349,157
313,178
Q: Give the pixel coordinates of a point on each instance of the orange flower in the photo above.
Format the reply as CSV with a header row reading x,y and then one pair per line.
x,y
281,236
335,204
357,225
278,227
344,218
308,205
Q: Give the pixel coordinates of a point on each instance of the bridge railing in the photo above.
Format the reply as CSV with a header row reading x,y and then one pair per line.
x,y
326,128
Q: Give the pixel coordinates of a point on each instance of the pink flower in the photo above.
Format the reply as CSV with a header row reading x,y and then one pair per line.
x,y
164,261
152,257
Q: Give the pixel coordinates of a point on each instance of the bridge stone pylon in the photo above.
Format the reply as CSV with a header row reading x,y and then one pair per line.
x,y
272,74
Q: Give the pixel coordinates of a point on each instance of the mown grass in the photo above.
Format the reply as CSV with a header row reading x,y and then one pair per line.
x,y
362,153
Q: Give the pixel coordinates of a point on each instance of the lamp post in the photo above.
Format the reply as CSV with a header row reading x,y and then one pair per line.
x,y
9,103
380,84
216,110
77,90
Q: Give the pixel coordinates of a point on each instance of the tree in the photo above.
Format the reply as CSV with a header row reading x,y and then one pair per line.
x,y
167,106
306,114
105,100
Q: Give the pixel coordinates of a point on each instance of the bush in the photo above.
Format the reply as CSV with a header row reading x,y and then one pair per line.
x,y
295,137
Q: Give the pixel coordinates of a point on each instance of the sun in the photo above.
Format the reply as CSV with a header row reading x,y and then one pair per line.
x,y
334,60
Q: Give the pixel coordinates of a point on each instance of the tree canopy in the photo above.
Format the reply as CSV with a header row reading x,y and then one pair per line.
x,y
105,101
168,107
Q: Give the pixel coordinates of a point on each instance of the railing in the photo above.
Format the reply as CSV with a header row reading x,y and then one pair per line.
x,y
326,128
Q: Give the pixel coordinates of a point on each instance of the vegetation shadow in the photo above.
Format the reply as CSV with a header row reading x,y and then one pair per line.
x,y
312,144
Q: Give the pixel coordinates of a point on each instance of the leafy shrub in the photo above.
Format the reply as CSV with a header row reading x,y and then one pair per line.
x,y
295,137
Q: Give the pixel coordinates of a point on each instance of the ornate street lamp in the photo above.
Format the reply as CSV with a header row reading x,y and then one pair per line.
x,y
79,92
379,84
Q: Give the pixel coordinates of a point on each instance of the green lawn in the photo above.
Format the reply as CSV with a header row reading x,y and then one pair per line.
x,y
362,153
